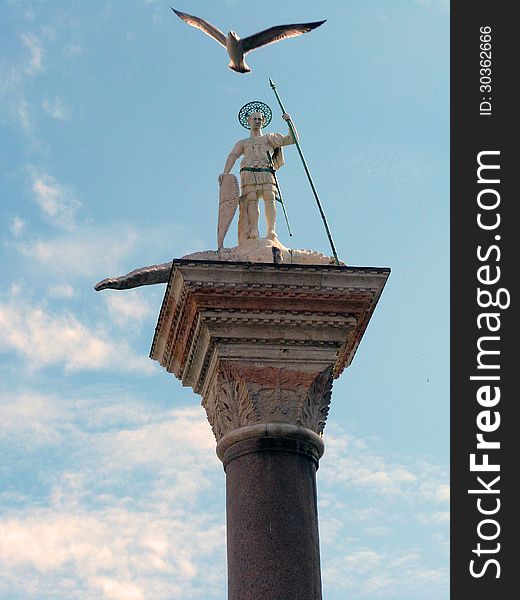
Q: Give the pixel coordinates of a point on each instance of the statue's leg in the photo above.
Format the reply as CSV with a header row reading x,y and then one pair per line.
x,y
270,214
253,214
243,221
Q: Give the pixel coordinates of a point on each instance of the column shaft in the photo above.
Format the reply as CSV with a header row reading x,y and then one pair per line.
x,y
272,520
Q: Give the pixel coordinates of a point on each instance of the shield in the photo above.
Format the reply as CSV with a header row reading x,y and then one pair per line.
x,y
228,202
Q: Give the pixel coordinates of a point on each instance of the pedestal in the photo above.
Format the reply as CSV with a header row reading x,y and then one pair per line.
x,y
262,344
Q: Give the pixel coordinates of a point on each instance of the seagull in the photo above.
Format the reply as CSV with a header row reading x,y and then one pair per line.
x,y
236,47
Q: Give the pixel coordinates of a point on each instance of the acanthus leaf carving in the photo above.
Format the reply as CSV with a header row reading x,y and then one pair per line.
x,y
317,403
213,410
277,392
229,404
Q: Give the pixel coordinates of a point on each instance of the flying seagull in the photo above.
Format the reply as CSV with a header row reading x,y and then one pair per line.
x,y
236,47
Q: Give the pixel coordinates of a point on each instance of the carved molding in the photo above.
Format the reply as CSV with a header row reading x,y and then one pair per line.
x,y
241,395
261,343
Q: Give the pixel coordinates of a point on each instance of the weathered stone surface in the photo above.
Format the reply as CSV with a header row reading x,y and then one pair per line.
x,y
263,250
262,343
272,521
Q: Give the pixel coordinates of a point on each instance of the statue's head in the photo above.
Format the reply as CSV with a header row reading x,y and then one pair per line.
x,y
255,115
256,120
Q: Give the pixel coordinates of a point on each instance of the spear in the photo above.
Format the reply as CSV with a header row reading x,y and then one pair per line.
x,y
313,187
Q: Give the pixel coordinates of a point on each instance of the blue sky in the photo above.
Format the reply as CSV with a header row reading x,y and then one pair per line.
x,y
115,121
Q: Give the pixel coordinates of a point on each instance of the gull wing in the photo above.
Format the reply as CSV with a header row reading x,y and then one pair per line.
x,y
275,34
204,26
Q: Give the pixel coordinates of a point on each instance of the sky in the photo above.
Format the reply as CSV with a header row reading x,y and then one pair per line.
x,y
115,121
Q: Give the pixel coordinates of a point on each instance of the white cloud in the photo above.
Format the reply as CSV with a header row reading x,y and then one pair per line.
x,y
72,50
15,289
88,252
61,290
107,554
35,47
370,573
130,307
371,508
436,492
57,202
24,116
135,505
379,530
100,532
119,591
30,416
435,518
362,561
56,109
356,465
30,51
105,250
17,227
360,466
46,339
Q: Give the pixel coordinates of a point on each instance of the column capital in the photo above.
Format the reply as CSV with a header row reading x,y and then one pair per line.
x,y
262,343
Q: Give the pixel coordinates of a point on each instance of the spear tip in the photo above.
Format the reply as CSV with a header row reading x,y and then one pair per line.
x,y
271,82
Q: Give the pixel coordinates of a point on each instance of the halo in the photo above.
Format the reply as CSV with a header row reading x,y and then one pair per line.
x,y
251,107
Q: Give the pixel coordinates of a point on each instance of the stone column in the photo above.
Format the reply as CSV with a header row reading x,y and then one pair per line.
x,y
262,344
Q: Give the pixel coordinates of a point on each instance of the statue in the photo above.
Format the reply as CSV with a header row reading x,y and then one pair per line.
x,y
262,156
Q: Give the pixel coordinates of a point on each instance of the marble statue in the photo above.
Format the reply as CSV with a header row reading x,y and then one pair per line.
x,y
261,155
236,47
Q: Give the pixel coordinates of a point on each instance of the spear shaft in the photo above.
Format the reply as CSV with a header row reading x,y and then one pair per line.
x,y
280,198
311,182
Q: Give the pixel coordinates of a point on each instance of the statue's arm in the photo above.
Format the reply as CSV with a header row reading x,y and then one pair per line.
x,y
232,158
290,139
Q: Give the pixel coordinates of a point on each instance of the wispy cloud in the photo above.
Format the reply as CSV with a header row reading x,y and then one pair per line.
x,y
24,116
56,109
17,227
44,339
114,520
110,522
88,252
367,573
356,465
114,554
28,417
434,518
108,249
364,555
61,290
34,45
57,202
435,491
30,52
132,307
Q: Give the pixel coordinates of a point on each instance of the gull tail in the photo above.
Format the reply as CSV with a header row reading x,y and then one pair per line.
x,y
240,68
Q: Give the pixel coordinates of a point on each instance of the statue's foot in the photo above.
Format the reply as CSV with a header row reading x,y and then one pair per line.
x,y
253,235
271,235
